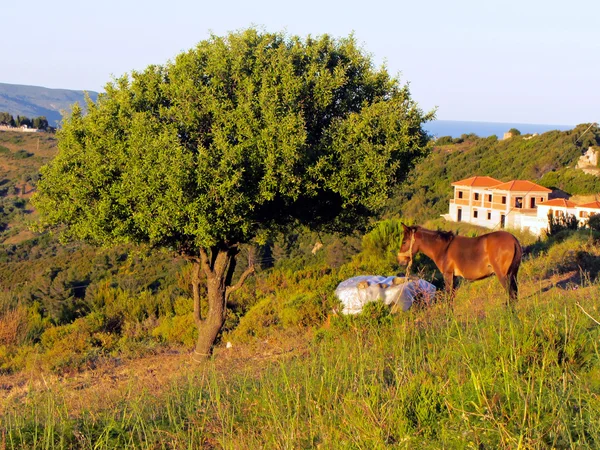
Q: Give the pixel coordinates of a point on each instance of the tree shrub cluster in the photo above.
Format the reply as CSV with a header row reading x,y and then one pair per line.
x,y
39,123
240,138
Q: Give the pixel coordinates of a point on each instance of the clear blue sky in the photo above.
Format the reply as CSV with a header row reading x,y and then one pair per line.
x,y
526,61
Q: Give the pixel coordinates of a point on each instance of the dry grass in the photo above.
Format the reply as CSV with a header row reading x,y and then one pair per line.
x,y
104,386
13,326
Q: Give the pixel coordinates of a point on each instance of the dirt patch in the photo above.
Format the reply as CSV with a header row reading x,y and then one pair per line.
x,y
113,379
22,236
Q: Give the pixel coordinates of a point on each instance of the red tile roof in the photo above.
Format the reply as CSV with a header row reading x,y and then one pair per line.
x,y
477,181
559,202
521,186
592,205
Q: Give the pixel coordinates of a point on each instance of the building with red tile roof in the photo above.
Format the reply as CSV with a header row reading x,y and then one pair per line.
x,y
491,203
521,186
477,181
521,204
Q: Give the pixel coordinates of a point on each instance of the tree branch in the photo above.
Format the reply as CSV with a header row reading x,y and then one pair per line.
x,y
196,291
249,271
206,264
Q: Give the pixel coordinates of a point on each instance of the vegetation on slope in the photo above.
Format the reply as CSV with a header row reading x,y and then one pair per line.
x,y
33,101
547,159
433,377
477,375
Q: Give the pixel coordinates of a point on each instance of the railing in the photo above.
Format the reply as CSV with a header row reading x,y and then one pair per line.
x,y
460,201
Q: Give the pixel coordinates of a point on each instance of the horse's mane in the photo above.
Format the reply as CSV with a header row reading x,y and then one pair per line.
x,y
446,236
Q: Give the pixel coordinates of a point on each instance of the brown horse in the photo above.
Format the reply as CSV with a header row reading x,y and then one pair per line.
x,y
471,258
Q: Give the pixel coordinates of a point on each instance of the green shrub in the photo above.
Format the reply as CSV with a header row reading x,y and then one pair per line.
x,y
305,309
21,154
179,329
258,321
72,346
594,222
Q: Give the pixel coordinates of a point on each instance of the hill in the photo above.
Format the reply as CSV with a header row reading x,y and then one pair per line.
x,y
34,101
95,344
548,159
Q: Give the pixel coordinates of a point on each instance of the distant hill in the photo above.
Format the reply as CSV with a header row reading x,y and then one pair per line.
x,y
34,101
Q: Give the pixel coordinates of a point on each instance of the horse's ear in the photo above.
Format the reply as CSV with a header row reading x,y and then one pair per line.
x,y
405,228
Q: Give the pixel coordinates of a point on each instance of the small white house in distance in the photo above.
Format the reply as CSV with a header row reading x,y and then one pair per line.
x,y
586,210
559,207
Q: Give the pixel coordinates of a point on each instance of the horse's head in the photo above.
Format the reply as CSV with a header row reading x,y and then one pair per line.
x,y
407,247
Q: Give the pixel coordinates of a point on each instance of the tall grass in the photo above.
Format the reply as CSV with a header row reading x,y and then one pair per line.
x,y
472,375
430,378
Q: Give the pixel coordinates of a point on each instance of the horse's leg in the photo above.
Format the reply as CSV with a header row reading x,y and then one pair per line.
x,y
509,283
449,284
513,288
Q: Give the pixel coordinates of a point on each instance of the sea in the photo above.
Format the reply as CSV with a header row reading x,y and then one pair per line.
x,y
456,128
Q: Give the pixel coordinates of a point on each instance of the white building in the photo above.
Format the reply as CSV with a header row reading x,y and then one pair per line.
x,y
490,203
586,210
519,204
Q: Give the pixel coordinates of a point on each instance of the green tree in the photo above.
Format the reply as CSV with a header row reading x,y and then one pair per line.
x,y
233,141
23,120
514,132
41,123
6,119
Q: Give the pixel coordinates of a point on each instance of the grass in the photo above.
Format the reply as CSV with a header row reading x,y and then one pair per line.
x,y
430,378
471,375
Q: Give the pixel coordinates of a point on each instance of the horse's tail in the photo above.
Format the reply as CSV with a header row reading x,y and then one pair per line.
x,y
513,289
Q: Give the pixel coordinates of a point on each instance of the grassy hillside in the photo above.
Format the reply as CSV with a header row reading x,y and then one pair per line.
x,y
547,159
95,344
34,101
476,375
21,156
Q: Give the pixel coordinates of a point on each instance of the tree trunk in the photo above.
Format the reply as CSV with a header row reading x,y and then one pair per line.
x,y
209,328
218,269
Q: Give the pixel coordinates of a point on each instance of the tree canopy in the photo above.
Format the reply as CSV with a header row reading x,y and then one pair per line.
x,y
232,139
235,139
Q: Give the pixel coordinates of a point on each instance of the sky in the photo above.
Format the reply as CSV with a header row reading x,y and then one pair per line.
x,y
520,61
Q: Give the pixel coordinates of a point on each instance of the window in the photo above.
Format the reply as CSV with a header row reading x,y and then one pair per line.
x,y
489,196
519,202
476,195
474,214
504,199
533,199
460,194
583,214
489,215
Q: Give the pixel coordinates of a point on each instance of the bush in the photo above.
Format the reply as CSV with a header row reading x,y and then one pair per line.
x,y
21,154
13,326
557,224
594,222
380,247
177,330
305,309
258,320
444,140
